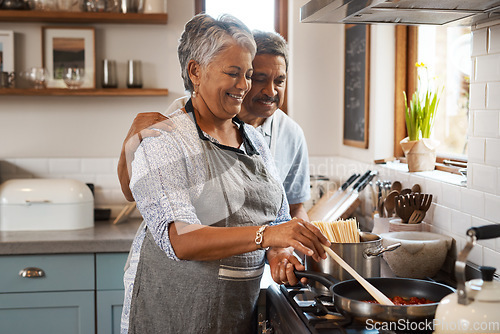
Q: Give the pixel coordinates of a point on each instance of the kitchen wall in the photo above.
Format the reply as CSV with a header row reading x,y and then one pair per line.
x,y
316,86
455,207
75,127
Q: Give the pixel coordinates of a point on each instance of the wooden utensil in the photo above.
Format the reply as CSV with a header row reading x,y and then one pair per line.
x,y
373,291
390,202
405,191
381,207
424,202
416,217
396,185
416,188
403,208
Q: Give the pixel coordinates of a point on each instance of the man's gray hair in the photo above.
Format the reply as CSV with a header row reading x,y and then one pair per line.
x,y
271,43
205,37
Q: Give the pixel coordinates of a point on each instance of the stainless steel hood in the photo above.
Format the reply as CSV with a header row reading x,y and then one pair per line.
x,y
411,12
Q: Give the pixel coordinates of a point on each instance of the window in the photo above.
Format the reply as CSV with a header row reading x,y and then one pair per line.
x,y
437,47
446,50
256,11
256,14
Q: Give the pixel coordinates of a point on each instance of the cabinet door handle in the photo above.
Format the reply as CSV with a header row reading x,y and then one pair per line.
x,y
32,272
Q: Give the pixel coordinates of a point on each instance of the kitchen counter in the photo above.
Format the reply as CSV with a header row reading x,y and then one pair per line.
x,y
104,237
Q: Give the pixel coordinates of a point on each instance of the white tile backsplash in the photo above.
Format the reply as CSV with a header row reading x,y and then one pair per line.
x,y
476,149
65,166
486,123
34,167
472,202
451,196
442,218
487,68
492,96
492,207
98,166
435,188
476,222
493,39
498,181
491,258
492,152
479,42
460,222
478,96
484,178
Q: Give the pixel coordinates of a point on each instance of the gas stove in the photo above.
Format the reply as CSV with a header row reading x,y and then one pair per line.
x,y
299,310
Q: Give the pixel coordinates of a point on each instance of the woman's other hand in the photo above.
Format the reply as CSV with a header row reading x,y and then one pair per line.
x,y
142,127
303,236
282,262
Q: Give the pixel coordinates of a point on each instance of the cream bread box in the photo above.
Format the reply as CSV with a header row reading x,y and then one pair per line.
x,y
45,204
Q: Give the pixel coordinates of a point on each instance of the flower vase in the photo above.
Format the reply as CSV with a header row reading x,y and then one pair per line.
x,y
420,154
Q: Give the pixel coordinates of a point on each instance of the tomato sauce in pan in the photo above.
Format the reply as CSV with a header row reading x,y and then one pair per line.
x,y
405,301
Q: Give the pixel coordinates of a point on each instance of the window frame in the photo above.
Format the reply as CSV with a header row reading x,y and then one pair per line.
x,y
406,80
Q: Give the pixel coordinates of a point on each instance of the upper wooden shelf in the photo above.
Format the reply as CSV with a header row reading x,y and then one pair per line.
x,y
80,17
84,92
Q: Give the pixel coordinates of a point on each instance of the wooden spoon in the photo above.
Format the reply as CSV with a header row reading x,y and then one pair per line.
x,y
405,191
416,188
373,291
396,185
390,202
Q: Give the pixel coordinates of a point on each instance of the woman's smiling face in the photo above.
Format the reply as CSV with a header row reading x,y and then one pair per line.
x,y
225,81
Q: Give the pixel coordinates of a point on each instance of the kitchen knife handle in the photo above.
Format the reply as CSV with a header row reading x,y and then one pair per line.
x,y
366,181
349,181
361,179
485,231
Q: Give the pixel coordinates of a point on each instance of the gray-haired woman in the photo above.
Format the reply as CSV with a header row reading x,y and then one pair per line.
x,y
207,190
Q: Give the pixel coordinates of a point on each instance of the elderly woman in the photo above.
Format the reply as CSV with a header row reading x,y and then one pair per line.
x,y
210,199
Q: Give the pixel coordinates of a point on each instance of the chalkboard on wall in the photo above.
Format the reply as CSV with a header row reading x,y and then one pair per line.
x,y
356,84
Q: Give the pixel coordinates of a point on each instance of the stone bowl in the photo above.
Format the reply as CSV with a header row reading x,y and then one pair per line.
x,y
421,254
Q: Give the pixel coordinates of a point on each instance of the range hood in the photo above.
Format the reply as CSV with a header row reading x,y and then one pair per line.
x,y
410,12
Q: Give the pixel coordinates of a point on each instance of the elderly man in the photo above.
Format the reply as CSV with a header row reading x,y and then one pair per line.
x,y
260,109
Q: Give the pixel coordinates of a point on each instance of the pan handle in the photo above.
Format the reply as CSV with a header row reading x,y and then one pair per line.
x,y
485,231
322,278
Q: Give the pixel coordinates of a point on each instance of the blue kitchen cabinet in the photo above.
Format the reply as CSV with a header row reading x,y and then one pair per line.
x,y
55,296
70,312
63,294
110,291
109,311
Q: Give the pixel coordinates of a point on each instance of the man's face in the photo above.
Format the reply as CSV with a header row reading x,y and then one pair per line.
x,y
268,86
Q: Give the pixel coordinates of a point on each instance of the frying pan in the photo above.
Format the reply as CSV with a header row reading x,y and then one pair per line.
x,y
349,297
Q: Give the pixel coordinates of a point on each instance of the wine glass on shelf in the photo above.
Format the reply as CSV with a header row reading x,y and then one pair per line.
x,y
37,76
74,77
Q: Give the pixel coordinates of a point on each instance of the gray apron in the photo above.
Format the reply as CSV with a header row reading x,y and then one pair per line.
x,y
210,296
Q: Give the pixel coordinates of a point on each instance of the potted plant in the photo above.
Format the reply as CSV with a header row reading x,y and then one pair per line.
x,y
418,147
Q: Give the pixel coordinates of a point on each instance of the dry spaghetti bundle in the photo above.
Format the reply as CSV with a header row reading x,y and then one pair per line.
x,y
340,231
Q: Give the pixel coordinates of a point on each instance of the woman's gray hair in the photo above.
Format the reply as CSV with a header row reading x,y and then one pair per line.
x,y
271,43
204,37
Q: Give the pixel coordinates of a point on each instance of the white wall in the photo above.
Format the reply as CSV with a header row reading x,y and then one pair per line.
x,y
315,86
316,90
45,126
